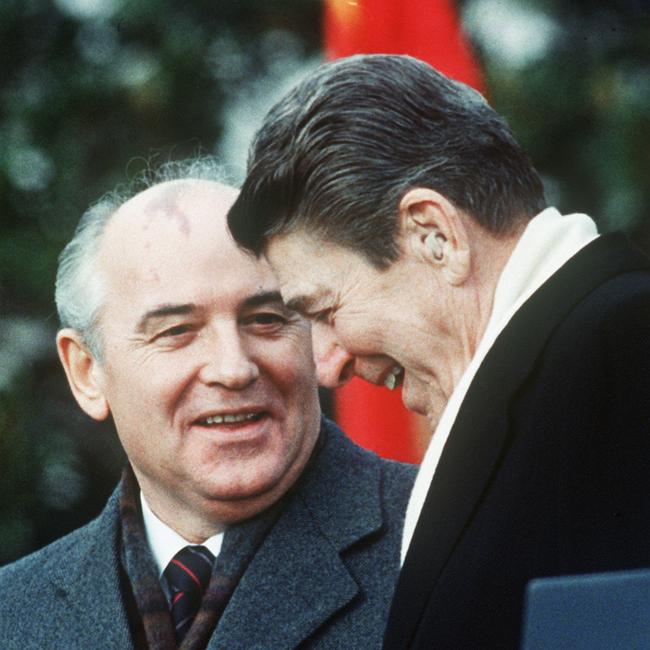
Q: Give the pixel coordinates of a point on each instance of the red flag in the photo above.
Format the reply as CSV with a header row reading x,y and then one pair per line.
x,y
375,418
427,29
430,30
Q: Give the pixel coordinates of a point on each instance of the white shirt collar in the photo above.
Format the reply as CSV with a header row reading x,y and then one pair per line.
x,y
165,542
549,240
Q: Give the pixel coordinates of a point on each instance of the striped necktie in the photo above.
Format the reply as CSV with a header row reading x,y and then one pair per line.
x,y
187,575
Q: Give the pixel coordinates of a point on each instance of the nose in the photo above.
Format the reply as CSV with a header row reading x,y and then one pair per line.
x,y
227,362
334,364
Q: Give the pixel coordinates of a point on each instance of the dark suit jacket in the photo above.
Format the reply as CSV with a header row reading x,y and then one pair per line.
x,y
547,467
323,577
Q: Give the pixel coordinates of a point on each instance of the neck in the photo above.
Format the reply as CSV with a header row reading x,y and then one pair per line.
x,y
180,517
477,300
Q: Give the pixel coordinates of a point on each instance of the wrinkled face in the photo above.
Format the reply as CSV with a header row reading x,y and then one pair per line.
x,y
209,378
367,322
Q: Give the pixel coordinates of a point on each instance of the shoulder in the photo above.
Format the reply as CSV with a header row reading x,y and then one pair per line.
x,y
30,595
359,477
601,293
623,298
621,278
614,316
340,449
24,581
35,566
590,376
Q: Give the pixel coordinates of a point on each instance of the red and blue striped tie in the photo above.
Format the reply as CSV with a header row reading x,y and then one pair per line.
x,y
187,575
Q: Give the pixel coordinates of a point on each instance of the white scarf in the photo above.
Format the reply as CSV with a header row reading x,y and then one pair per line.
x,y
548,241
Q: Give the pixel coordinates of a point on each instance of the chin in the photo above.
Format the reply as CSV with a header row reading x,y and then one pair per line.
x,y
233,502
413,403
241,484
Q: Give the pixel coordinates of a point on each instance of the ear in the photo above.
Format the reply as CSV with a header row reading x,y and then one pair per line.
x,y
83,372
432,228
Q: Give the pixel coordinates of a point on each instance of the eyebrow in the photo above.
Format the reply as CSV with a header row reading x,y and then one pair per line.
x,y
301,304
262,298
163,311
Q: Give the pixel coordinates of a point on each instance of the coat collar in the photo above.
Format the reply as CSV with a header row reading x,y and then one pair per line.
x,y
345,471
479,433
297,580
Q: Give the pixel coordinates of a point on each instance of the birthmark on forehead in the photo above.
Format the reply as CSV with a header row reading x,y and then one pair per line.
x,y
166,202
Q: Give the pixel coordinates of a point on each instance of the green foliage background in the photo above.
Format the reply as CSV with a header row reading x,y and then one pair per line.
x,y
91,91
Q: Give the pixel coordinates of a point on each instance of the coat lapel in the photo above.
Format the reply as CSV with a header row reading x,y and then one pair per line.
x,y
297,579
88,584
476,441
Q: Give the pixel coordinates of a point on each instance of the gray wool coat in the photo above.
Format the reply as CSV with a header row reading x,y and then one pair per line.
x,y
323,577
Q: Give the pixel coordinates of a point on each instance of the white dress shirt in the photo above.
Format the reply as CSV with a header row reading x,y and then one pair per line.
x,y
165,542
549,240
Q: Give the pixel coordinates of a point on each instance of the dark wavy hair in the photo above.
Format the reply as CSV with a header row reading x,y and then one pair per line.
x,y
335,156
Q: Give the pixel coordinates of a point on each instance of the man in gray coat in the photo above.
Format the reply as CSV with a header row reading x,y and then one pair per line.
x,y
244,519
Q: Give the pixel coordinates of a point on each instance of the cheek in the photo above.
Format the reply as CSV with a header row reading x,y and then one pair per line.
x,y
293,375
290,360
152,390
300,373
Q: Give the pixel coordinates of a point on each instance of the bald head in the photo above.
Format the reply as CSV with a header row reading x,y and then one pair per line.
x,y
162,222
176,205
129,226
180,222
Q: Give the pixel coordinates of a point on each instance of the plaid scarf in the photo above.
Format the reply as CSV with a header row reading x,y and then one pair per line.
x,y
147,607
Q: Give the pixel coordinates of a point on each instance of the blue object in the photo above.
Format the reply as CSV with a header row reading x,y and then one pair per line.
x,y
600,611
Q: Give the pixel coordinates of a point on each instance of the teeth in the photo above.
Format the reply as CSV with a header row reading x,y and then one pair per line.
x,y
392,378
228,419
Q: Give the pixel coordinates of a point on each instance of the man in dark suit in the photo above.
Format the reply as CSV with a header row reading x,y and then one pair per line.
x,y
182,338
402,218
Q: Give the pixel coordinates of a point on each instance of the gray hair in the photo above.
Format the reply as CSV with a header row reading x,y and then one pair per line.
x,y
335,156
80,288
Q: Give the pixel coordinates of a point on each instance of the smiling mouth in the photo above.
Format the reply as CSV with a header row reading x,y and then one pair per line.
x,y
394,378
230,418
